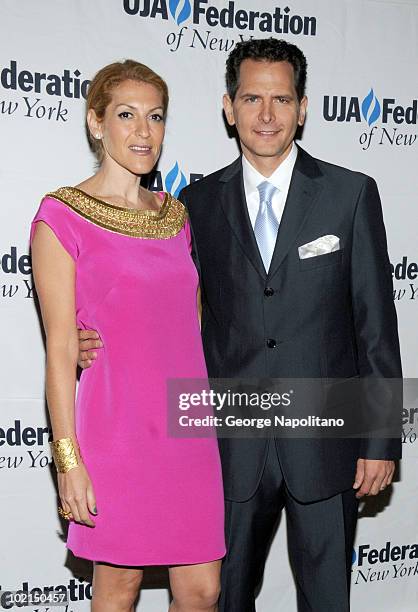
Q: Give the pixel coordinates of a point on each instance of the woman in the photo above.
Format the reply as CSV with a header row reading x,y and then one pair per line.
x,y
112,256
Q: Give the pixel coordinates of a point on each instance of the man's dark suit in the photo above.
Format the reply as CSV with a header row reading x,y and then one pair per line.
x,y
327,316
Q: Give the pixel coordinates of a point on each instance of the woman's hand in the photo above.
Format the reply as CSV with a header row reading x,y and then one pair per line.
x,y
77,495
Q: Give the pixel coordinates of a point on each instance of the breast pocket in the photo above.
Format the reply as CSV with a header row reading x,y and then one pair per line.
x,y
321,261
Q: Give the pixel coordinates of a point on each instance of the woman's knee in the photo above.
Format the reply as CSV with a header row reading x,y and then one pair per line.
x,y
200,596
116,584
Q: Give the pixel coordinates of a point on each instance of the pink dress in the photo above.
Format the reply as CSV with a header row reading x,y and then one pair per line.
x,y
159,498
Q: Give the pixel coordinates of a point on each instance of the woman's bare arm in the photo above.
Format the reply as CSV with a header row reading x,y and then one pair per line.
x,y
54,274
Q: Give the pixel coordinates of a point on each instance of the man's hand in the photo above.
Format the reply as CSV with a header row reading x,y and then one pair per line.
x,y
88,339
372,476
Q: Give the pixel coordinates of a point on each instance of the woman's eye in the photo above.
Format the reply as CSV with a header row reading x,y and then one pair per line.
x,y
125,115
156,117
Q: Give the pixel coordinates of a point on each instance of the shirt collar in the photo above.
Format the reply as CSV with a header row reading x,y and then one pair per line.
x,y
280,178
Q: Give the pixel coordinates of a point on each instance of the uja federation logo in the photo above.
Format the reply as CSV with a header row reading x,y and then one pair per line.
x,y
173,181
370,108
385,117
405,277
385,563
201,17
180,10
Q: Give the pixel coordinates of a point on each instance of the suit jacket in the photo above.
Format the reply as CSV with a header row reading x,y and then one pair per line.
x,y
330,316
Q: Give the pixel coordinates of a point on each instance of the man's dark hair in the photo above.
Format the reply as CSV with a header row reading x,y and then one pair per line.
x,y
265,50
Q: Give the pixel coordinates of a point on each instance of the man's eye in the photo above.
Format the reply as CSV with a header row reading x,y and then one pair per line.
x,y
283,100
252,99
125,115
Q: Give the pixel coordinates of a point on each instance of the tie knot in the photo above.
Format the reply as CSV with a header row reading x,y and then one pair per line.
x,y
266,191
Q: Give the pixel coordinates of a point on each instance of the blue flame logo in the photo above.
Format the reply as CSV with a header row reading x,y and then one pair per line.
x,y
175,180
180,10
354,557
366,106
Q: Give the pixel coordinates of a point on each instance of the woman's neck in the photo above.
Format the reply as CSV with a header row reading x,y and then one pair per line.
x,y
118,186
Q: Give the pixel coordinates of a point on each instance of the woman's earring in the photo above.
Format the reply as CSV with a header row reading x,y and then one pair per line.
x,y
98,136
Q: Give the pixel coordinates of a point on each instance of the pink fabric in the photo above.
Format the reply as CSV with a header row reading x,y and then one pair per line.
x,y
159,499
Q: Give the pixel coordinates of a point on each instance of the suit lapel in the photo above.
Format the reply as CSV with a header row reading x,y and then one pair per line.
x,y
303,193
235,208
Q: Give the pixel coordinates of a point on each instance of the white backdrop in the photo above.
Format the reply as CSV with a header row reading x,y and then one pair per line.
x,y
362,114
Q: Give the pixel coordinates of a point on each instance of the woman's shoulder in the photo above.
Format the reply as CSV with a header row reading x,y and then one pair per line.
x,y
59,200
56,212
172,202
175,213
62,195
69,202
61,205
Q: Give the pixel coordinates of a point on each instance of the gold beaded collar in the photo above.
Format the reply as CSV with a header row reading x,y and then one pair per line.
x,y
164,223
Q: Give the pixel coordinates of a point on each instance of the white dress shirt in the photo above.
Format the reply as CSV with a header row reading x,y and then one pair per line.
x,y
280,178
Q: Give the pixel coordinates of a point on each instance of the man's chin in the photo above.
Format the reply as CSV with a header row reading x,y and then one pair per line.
x,y
268,152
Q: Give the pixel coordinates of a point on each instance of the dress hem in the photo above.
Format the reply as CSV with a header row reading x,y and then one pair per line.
x,y
153,563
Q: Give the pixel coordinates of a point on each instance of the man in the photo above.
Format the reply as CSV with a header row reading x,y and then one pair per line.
x,y
270,311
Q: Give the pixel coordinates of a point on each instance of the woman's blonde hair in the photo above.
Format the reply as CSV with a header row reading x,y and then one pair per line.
x,y
99,93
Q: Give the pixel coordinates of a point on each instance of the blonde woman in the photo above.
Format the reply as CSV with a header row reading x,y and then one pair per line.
x,y
112,256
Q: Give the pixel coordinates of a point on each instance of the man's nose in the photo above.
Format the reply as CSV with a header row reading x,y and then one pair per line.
x,y
267,112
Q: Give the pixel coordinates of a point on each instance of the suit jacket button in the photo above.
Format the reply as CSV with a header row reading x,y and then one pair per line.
x,y
271,343
268,291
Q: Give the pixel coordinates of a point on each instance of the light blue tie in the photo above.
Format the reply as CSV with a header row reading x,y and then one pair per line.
x,y
266,225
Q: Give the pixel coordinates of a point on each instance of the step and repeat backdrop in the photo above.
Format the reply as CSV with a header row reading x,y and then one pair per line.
x,y
362,114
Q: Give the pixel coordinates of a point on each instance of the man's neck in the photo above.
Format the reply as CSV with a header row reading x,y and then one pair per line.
x,y
266,165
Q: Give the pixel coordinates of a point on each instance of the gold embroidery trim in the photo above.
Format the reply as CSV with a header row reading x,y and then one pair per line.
x,y
164,223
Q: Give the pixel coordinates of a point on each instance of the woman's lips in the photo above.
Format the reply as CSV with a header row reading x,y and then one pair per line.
x,y
140,149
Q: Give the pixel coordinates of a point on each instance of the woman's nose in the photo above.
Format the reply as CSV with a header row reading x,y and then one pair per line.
x,y
142,128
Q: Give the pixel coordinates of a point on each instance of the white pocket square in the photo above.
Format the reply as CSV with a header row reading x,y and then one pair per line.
x,y
320,246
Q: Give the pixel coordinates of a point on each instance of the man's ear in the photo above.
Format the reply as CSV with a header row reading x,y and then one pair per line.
x,y
303,105
94,124
228,109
